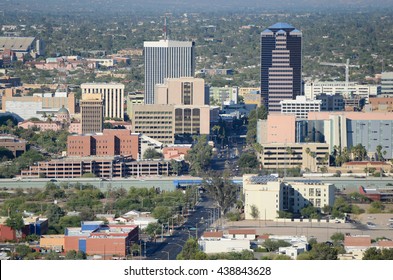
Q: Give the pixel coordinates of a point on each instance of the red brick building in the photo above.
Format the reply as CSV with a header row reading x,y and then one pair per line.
x,y
104,240
111,142
7,233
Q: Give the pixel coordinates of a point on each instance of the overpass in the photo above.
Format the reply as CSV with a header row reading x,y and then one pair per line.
x,y
171,183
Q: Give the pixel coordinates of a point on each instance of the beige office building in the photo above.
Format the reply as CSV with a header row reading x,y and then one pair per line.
x,y
112,95
155,121
162,122
180,109
91,113
134,98
182,91
269,195
307,156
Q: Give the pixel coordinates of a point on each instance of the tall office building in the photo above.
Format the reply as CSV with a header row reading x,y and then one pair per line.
x,y
281,64
166,59
112,95
91,113
181,109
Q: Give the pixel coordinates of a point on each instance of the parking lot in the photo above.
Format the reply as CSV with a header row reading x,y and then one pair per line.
x,y
321,231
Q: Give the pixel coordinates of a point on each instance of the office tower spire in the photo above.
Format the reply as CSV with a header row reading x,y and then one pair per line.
x,y
281,64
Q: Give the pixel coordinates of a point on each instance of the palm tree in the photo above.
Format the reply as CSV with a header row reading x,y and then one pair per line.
x,y
308,153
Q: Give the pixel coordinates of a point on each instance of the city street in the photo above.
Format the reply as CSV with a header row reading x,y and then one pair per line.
x,y
197,222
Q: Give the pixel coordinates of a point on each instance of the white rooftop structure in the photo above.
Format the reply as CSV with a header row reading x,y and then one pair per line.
x,y
300,106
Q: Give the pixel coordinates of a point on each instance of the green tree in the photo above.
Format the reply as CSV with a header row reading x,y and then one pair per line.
x,y
52,256
191,251
323,251
340,208
282,257
254,212
373,253
176,166
54,213
70,221
359,152
221,189
376,207
284,214
162,213
151,153
89,175
15,221
337,238
22,251
310,212
199,156
273,245
152,230
379,152
80,255
242,255
74,255
258,114
248,161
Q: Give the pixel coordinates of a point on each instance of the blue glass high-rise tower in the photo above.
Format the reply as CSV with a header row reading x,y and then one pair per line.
x,y
281,64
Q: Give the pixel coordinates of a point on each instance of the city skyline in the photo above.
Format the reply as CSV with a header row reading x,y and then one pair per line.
x,y
101,168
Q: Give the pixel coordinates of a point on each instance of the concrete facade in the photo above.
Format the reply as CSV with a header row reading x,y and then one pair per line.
x,y
312,89
91,113
112,96
307,156
182,91
101,167
36,106
277,128
223,95
163,122
387,84
347,129
134,98
300,107
380,104
166,59
334,102
269,195
154,121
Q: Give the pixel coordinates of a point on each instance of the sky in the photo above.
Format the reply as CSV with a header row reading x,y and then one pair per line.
x,y
68,6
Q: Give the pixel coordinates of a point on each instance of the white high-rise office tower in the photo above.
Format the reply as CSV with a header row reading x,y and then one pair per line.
x,y
166,59
112,96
